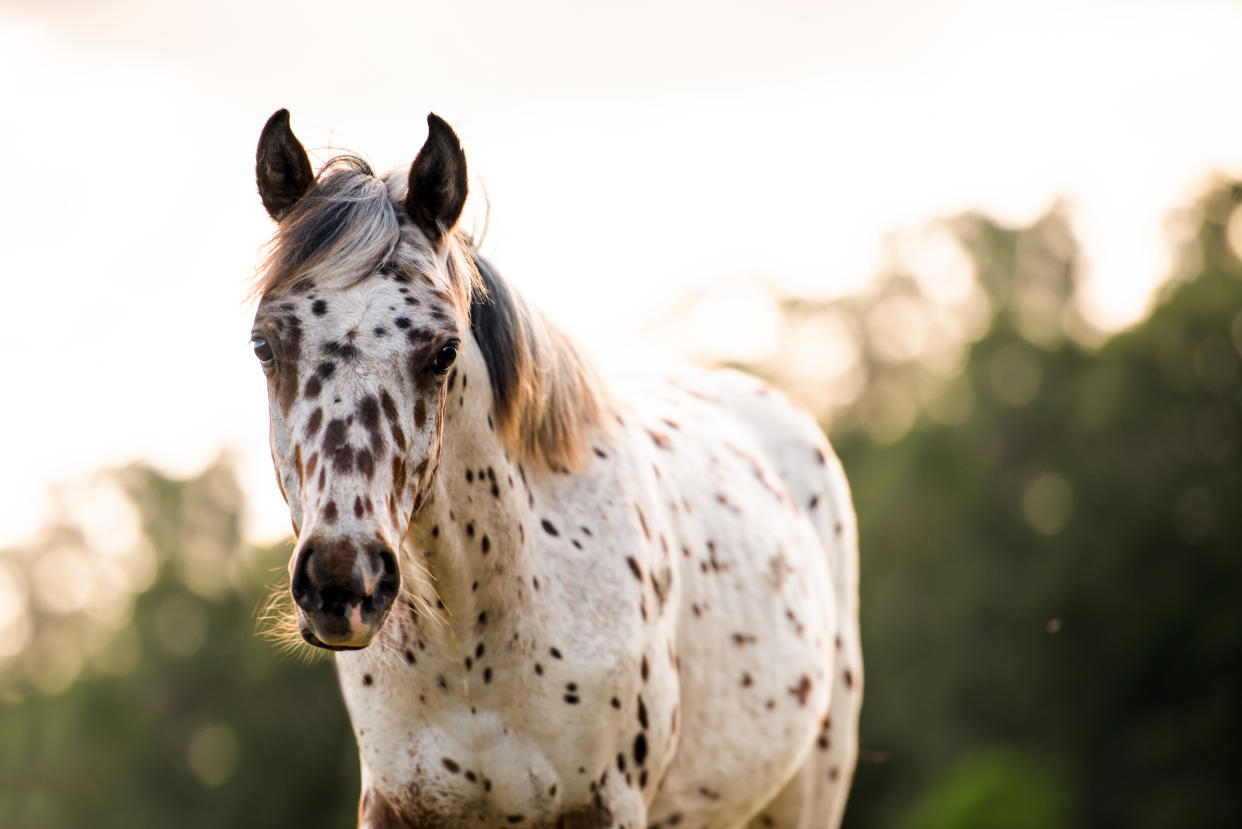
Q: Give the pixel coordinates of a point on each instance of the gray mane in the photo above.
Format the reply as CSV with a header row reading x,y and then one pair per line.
x,y
346,225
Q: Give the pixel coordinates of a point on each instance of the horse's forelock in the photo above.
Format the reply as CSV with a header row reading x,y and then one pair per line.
x,y
346,226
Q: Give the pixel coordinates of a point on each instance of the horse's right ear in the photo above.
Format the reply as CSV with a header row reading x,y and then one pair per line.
x,y
281,166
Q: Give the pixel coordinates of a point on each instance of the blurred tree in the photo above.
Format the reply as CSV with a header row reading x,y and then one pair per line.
x,y
184,717
1052,612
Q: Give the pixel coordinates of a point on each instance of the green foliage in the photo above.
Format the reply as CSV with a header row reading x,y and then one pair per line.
x,y
990,788
206,724
1061,575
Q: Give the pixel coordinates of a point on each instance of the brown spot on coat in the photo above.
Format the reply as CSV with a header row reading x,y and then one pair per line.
x,y
802,690
313,424
643,520
635,568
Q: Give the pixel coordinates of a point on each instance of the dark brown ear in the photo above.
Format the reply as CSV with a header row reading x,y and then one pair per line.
x,y
437,181
281,166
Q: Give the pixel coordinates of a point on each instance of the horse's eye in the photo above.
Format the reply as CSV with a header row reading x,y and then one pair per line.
x,y
444,358
264,352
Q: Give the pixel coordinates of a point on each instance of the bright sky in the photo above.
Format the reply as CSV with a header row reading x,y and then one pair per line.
x,y
631,156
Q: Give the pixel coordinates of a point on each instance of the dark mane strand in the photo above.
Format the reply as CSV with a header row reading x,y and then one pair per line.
x,y
545,395
497,320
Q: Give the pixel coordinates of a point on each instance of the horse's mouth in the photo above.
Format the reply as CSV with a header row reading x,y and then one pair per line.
x,y
312,639
339,632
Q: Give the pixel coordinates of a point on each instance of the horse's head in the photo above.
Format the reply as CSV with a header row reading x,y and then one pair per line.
x,y
363,304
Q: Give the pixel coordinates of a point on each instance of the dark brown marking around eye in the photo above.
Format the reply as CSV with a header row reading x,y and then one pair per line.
x,y
420,414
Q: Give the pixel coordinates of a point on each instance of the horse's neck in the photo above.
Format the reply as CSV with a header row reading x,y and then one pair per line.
x,y
467,553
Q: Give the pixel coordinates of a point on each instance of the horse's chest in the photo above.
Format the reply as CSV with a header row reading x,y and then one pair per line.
x,y
465,768
524,747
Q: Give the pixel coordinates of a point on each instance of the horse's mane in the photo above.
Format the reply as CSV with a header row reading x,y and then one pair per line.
x,y
352,224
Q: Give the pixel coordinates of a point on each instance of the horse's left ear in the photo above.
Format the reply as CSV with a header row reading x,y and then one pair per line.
x,y
438,188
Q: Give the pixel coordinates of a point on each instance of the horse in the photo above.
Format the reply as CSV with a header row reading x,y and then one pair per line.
x,y
554,601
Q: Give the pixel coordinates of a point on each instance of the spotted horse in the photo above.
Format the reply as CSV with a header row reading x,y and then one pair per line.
x,y
554,602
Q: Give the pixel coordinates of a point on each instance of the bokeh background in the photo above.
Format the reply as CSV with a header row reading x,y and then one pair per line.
x,y
994,246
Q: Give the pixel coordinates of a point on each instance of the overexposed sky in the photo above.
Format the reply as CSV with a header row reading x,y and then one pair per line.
x,y
632,155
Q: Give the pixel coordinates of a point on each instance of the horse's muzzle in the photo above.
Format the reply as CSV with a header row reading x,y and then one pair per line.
x,y
343,591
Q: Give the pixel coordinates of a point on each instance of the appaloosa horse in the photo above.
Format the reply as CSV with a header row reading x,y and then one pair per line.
x,y
554,603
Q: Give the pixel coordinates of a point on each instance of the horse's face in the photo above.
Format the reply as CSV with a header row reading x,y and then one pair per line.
x,y
357,365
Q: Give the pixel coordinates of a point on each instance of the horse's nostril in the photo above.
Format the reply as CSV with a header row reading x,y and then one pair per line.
x,y
300,584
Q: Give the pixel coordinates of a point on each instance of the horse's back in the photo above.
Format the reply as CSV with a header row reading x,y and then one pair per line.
x,y
760,509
